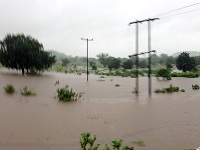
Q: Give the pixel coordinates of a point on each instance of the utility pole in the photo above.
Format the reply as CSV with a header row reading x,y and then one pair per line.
x,y
137,51
149,49
87,53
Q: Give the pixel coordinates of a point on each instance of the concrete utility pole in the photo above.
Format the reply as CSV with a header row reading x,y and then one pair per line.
x,y
87,53
137,51
149,49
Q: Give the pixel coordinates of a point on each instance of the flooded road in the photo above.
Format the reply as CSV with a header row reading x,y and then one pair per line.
x,y
162,121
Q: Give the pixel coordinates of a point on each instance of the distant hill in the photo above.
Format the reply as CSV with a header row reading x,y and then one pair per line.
x,y
59,56
192,53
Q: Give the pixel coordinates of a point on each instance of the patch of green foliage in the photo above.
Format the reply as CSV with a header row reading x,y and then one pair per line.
x,y
195,86
131,73
185,74
164,73
169,89
9,89
139,143
27,92
65,94
88,143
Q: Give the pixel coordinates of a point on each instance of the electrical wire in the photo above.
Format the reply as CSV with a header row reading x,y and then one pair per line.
x,y
177,9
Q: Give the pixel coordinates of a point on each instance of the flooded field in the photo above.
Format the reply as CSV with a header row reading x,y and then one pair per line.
x,y
162,121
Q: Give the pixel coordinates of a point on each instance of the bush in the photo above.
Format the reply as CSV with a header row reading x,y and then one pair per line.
x,y
26,92
9,89
195,86
88,143
185,74
169,89
164,73
65,94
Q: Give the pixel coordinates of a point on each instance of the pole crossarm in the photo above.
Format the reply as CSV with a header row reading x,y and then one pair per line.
x,y
141,21
87,39
141,53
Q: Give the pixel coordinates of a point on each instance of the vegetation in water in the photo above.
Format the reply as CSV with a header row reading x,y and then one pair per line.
x,y
65,94
169,89
27,92
164,73
9,89
88,143
139,143
195,86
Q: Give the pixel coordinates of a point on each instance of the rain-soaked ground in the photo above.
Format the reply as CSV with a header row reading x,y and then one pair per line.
x,y
162,121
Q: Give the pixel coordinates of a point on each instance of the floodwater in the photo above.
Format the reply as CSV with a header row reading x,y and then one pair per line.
x,y
162,121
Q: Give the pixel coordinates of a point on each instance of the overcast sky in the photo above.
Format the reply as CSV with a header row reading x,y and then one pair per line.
x,y
60,24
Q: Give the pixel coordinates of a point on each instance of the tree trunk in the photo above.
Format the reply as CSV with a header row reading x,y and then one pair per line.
x,y
22,70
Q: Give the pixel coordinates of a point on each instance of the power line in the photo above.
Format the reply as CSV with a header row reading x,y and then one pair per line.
x,y
181,13
167,12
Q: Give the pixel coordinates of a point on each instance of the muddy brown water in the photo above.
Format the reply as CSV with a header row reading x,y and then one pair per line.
x,y
162,121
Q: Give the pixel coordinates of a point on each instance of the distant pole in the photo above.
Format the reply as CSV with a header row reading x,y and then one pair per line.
x,y
87,54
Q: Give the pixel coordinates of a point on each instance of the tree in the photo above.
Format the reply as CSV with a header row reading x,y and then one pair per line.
x,y
24,53
128,64
113,63
65,61
103,59
143,63
185,63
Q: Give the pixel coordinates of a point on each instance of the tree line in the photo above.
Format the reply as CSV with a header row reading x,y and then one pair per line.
x,y
25,53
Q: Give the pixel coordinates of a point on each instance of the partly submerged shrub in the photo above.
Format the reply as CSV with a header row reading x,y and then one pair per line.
x,y
88,143
195,86
9,89
27,92
65,94
169,89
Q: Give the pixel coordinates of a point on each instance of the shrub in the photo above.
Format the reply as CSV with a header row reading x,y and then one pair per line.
x,y
139,143
169,89
195,86
9,89
26,92
88,143
65,94
164,73
185,74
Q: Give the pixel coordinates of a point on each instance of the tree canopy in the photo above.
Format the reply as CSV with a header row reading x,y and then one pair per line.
x,y
24,53
185,63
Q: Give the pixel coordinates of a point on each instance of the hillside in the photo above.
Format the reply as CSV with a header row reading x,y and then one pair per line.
x,y
192,53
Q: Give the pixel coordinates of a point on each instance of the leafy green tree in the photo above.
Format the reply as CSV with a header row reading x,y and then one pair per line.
x,y
113,63
24,53
128,64
185,63
103,59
